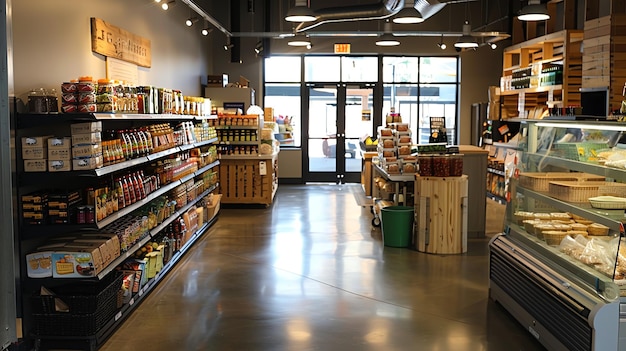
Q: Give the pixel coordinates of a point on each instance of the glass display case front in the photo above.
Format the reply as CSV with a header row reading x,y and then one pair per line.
x,y
568,201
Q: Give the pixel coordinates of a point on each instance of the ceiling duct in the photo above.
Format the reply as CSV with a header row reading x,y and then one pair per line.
x,y
382,10
428,7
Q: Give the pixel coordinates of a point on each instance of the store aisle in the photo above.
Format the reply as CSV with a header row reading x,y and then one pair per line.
x,y
310,274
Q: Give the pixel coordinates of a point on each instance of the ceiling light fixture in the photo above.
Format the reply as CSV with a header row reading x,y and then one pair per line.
x,y
157,0
206,30
408,15
299,40
493,46
300,12
534,11
166,5
228,44
190,21
387,39
466,40
441,44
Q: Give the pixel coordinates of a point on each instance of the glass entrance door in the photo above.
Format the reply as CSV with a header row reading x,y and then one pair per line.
x,y
339,115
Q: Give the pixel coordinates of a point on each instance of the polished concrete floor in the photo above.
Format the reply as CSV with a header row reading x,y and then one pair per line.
x,y
309,273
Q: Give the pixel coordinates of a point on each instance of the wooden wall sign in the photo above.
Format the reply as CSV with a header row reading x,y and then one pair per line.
x,y
111,41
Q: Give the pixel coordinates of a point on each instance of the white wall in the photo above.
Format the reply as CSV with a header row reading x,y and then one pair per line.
x,y
52,43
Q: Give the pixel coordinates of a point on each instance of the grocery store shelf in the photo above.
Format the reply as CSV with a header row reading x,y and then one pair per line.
x,y
128,209
237,127
533,90
205,142
124,255
495,171
140,116
206,168
26,120
238,143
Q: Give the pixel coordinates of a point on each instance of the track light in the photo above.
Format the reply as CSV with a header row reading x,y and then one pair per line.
x,y
166,5
206,31
157,1
466,40
300,13
493,46
441,44
258,49
190,21
534,11
228,44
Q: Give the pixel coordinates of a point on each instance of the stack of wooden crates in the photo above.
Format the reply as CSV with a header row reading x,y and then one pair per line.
x,y
604,56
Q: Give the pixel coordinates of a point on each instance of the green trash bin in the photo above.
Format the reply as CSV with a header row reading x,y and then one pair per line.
x,y
397,225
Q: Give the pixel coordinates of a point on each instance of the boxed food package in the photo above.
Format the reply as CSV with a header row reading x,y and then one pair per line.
x,y
63,143
78,263
59,165
87,127
151,264
87,163
105,253
138,266
93,250
60,154
86,138
35,165
34,153
86,151
35,141
39,264
128,283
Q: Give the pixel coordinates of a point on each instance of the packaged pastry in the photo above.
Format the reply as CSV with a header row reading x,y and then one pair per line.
x,y
539,228
553,237
388,143
386,132
579,227
402,127
404,150
393,168
520,215
562,227
574,233
404,139
529,225
408,168
544,216
560,215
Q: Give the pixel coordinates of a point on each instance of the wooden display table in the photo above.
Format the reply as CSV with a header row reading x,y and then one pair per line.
x,y
441,214
366,173
248,179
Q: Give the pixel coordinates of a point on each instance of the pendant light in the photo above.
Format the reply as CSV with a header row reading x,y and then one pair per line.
x,y
408,15
299,40
534,11
300,13
387,39
466,41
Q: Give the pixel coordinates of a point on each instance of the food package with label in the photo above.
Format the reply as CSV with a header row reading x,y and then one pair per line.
x,y
80,263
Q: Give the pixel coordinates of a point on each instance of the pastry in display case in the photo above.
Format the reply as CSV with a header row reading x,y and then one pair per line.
x,y
562,257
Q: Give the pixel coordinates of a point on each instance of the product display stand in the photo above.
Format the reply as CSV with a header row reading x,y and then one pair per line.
x,y
249,179
441,214
401,183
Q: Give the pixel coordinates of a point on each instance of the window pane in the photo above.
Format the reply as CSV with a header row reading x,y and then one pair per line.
x,y
359,69
403,98
285,99
438,69
282,69
321,69
400,69
438,101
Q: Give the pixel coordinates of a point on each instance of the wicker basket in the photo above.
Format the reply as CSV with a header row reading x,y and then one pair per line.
x,y
581,191
540,181
553,237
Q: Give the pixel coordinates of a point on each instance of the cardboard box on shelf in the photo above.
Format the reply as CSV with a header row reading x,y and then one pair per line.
x,y
35,141
88,127
59,165
61,143
34,153
39,264
87,163
85,151
60,154
35,165
75,262
86,138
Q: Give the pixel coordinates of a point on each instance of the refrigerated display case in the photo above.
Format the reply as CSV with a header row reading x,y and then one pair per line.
x,y
559,266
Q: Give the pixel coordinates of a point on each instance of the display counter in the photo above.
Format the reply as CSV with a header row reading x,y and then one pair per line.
x,y
249,179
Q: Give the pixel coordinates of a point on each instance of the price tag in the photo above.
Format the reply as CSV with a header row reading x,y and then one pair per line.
x,y
131,302
140,292
263,168
118,315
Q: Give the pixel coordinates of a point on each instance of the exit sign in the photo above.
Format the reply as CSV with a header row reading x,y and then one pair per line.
x,y
342,48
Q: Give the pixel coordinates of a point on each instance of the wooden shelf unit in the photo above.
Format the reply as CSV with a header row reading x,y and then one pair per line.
x,y
563,46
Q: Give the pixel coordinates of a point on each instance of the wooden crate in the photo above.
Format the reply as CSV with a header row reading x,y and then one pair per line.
x,y
241,181
441,214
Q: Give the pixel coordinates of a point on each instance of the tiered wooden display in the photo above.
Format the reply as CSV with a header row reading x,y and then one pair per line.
x,y
604,59
563,46
441,214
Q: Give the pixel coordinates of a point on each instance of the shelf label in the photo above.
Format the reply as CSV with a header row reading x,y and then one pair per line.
x,y
118,315
131,302
140,292
262,168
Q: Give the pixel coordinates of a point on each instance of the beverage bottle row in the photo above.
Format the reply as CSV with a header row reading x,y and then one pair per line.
x,y
126,144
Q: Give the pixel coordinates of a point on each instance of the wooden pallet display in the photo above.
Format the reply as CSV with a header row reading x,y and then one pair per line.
x,y
242,182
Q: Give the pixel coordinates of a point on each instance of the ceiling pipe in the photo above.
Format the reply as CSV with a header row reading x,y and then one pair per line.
x,y
382,10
